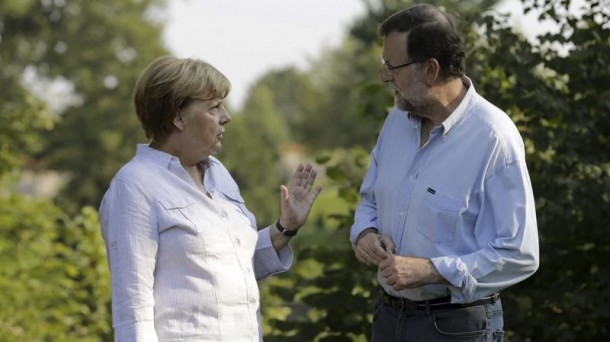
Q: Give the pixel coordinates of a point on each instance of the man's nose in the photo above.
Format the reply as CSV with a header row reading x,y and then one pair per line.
x,y
385,75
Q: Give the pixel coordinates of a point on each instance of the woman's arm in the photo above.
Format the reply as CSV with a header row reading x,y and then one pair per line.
x,y
131,245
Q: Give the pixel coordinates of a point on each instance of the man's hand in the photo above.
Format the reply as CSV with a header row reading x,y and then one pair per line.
x,y
372,248
405,272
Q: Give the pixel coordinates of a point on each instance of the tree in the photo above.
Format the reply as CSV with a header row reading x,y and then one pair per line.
x,y
294,98
251,153
98,49
331,294
556,90
346,78
53,274
23,116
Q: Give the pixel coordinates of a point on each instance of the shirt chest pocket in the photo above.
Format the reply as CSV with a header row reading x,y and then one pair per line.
x,y
176,213
234,197
438,216
179,227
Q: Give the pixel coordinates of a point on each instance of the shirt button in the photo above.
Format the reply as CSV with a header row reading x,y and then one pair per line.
x,y
252,300
223,213
237,241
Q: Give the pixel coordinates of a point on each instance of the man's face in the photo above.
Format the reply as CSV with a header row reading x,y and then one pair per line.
x,y
405,76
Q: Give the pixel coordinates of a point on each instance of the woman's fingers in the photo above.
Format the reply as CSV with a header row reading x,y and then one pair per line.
x,y
304,176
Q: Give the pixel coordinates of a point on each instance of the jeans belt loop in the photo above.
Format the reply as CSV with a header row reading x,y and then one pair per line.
x,y
494,298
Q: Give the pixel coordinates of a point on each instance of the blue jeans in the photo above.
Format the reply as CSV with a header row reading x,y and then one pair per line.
x,y
475,323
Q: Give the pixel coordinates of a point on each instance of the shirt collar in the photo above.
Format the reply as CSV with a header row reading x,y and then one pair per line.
x,y
162,158
158,157
460,111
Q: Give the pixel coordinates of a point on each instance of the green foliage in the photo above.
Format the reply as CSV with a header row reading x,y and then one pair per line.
x,y
53,275
22,120
318,309
251,152
348,113
22,116
556,91
294,96
97,49
53,271
331,295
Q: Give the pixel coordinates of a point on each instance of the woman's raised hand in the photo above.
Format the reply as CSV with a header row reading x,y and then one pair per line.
x,y
297,199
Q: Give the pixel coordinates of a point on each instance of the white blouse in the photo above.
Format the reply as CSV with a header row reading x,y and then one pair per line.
x,y
184,266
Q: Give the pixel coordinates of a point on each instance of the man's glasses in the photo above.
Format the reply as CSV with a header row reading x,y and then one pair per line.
x,y
389,67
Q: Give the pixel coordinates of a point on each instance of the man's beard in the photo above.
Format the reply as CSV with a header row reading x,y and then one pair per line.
x,y
414,105
403,104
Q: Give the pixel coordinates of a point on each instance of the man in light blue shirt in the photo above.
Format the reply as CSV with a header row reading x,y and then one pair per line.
x,y
447,213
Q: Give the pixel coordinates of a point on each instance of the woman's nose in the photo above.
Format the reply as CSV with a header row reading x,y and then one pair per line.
x,y
226,118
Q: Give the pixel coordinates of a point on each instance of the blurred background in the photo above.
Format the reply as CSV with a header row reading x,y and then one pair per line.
x,y
305,88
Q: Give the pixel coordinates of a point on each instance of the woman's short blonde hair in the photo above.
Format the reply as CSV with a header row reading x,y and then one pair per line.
x,y
167,85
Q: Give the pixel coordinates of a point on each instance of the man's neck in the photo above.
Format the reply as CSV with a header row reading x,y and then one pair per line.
x,y
448,96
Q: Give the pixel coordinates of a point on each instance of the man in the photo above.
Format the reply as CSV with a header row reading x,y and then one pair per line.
x,y
447,212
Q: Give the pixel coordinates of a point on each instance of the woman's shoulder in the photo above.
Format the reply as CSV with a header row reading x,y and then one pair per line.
x,y
137,172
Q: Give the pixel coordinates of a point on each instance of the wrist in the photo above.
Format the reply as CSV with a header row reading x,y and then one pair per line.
x,y
434,277
285,231
366,231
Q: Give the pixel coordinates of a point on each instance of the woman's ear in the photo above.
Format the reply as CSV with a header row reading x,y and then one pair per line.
x,y
179,121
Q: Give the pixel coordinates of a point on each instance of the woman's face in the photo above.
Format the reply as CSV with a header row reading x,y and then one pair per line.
x,y
203,122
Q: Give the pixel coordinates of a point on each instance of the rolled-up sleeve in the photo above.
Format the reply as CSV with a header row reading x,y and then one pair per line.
x,y
268,261
131,244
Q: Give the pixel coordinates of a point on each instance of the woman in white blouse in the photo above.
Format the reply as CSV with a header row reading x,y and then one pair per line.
x,y
183,249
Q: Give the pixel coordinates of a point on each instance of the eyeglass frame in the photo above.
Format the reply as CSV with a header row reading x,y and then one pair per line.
x,y
389,67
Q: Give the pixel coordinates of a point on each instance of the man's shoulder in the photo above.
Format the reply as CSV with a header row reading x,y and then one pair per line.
x,y
497,125
496,119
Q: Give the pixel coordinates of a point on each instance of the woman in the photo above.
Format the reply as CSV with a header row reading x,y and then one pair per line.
x,y
183,249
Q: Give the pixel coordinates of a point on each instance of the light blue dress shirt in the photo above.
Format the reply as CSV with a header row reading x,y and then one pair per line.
x,y
184,265
463,200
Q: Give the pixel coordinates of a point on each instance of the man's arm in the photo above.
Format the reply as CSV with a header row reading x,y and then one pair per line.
x,y
508,215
